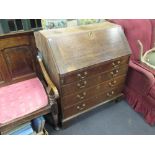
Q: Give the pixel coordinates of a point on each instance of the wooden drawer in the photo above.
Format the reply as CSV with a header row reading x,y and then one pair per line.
x,y
80,96
92,81
82,106
96,69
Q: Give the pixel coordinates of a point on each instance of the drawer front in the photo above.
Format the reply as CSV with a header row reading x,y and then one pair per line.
x,y
82,106
85,73
94,80
80,96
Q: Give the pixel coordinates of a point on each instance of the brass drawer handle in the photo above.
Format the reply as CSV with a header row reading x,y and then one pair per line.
x,y
82,84
114,73
82,96
85,73
109,94
82,76
116,63
112,83
82,107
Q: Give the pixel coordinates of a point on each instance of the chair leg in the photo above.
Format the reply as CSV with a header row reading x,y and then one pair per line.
x,y
54,112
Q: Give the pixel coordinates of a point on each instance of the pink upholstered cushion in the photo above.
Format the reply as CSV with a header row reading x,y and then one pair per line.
x,y
22,98
136,29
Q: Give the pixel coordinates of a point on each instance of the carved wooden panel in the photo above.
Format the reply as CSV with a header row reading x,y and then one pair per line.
x,y
17,57
19,61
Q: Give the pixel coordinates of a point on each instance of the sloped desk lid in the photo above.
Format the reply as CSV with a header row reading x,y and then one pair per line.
x,y
78,47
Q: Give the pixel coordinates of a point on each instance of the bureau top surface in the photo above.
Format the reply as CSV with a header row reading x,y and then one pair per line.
x,y
79,47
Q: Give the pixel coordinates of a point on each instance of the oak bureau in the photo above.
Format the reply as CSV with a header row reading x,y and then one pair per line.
x,y
88,65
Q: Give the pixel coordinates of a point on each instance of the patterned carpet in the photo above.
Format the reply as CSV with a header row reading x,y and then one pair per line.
x,y
110,119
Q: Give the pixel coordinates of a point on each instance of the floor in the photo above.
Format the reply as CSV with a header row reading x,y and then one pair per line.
x,y
110,119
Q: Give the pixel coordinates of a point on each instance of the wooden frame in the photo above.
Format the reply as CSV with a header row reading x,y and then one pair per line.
x,y
4,128
51,86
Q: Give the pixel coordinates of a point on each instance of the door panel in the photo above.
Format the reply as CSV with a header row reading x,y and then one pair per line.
x,y
19,61
17,57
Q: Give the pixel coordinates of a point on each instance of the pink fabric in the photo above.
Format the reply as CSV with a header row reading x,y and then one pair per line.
x,y
141,104
22,98
153,32
146,68
140,84
152,92
140,92
139,79
136,29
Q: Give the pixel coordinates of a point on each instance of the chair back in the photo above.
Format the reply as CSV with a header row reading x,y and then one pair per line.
x,y
137,29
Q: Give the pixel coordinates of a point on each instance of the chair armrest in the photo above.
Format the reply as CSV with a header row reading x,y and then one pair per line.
x,y
139,78
143,71
51,86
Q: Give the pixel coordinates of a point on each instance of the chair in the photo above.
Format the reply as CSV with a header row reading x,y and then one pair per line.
x,y
23,101
140,84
